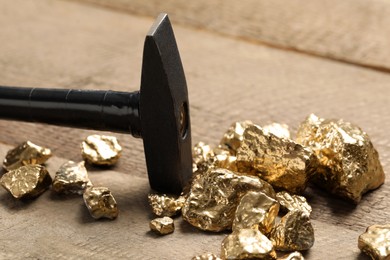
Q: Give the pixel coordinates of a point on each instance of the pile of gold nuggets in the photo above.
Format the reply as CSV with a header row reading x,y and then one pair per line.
x,y
251,183
26,177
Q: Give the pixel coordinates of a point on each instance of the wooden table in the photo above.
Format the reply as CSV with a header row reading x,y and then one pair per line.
x,y
66,44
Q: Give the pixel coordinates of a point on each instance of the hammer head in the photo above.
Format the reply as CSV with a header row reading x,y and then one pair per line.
x,y
164,111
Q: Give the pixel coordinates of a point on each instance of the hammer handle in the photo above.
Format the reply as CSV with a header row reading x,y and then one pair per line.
x,y
90,109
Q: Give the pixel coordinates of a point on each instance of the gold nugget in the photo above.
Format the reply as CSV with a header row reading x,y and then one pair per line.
x,y
26,153
101,149
256,210
28,181
293,202
294,232
201,152
234,136
214,196
375,242
70,178
223,159
283,163
100,203
207,256
349,165
162,226
247,244
165,206
280,130
292,256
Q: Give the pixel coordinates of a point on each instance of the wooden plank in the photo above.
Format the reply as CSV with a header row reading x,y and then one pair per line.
x,y
64,44
354,31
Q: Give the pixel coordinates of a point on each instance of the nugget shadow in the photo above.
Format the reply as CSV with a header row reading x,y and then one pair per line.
x,y
16,204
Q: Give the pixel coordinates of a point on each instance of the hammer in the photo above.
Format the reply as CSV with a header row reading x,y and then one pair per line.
x,y
159,112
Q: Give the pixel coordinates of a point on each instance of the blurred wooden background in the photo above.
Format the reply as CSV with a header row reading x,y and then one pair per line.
x,y
267,61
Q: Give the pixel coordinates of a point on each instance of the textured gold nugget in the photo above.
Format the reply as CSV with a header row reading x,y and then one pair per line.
x,y
294,232
100,203
165,206
293,202
256,210
375,242
349,165
280,130
26,153
292,256
27,181
214,196
162,226
101,149
283,163
207,256
70,178
247,244
234,136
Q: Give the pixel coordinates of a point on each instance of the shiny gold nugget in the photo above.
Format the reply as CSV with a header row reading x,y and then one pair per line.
x,y
207,256
279,130
26,153
292,256
283,163
247,244
162,226
375,242
256,210
294,232
234,136
101,149
165,206
293,202
214,196
27,181
71,177
100,203
349,165
223,159
201,152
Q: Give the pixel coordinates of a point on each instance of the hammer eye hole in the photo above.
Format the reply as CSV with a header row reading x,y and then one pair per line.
x,y
183,120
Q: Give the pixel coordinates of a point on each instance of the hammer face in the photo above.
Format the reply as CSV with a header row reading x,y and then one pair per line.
x,y
164,111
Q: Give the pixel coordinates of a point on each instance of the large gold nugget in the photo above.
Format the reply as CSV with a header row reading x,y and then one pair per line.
x,y
247,244
293,202
100,203
26,153
101,149
162,226
207,256
349,165
165,206
233,137
375,242
283,163
214,196
27,181
292,256
280,130
294,232
71,178
256,210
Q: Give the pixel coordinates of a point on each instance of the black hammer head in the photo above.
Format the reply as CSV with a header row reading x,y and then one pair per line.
x,y
164,110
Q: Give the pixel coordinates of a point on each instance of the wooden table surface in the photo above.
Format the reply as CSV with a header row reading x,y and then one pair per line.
x,y
66,44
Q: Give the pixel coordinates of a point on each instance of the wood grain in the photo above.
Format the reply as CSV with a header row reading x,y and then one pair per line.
x,y
65,44
354,31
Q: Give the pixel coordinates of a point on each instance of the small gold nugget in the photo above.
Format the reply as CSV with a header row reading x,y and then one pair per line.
x,y
214,196
201,152
70,178
349,165
283,163
280,130
100,203
101,150
207,256
256,210
247,244
234,136
165,206
28,181
292,256
293,202
26,153
375,242
162,226
294,232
